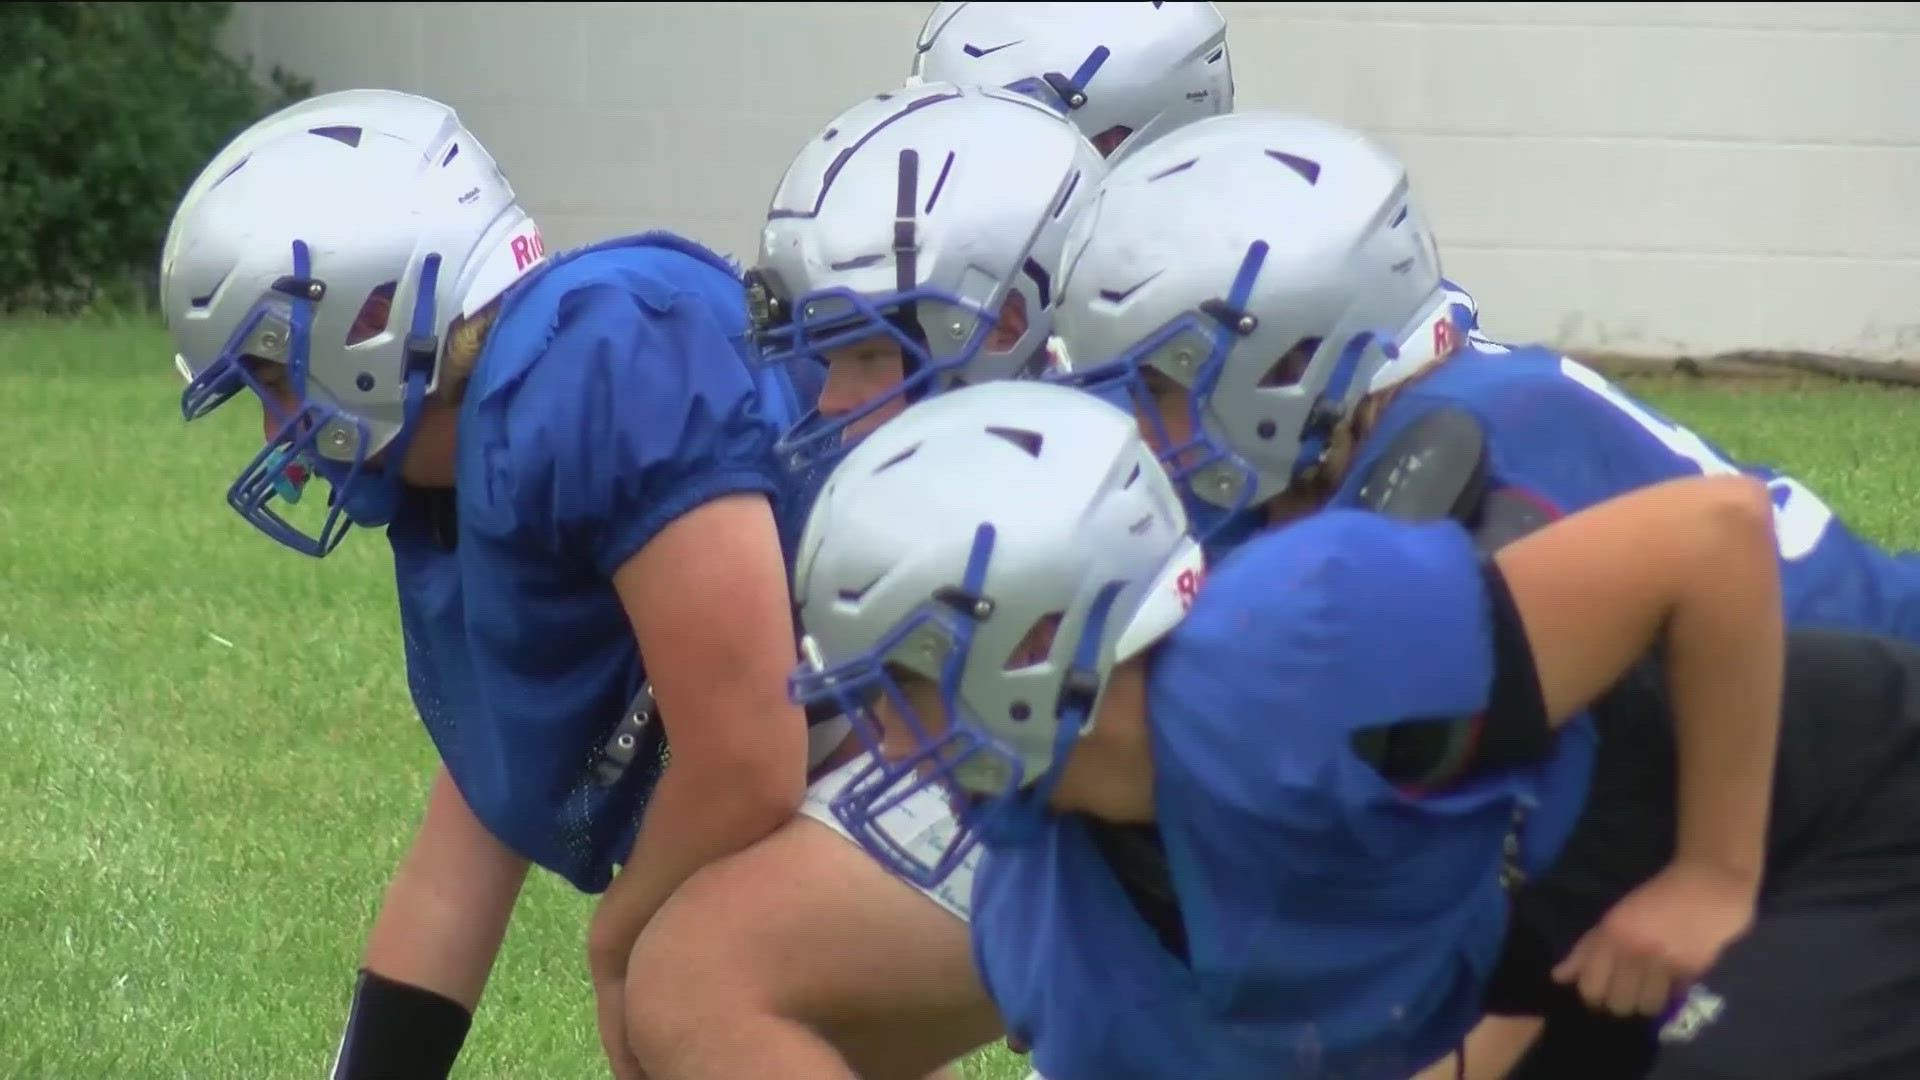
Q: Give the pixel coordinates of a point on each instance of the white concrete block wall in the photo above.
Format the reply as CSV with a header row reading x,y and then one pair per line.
x,y
1650,178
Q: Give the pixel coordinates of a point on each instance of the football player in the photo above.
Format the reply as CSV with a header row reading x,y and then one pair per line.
x,y
1303,359
911,247
572,461
1267,825
1126,73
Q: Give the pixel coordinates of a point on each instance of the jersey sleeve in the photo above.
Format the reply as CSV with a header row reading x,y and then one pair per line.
x,y
1512,731
639,410
1343,623
1337,625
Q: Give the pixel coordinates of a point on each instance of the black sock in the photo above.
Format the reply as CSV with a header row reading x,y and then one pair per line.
x,y
400,1032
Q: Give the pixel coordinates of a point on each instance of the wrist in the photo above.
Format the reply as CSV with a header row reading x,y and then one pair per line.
x,y
1736,869
1723,836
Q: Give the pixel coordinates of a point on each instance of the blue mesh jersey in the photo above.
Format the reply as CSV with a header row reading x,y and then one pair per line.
x,y
1567,438
613,395
1333,926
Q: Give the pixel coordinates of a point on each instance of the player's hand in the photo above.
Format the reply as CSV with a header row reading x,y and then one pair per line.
x,y
1658,939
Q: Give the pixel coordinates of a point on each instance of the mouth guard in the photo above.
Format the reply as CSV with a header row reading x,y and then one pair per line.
x,y
289,476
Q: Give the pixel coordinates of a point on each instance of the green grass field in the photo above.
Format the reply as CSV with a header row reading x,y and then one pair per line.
x,y
208,762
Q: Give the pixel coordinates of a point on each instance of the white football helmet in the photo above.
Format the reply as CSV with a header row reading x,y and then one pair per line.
x,y
933,216
339,240
1008,543
1271,264
1125,73
421,120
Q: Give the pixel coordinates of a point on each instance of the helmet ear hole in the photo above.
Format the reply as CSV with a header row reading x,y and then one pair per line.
x,y
375,310
1036,644
1288,370
1010,325
1109,140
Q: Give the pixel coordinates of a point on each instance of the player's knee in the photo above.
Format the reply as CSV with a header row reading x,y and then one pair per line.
x,y
660,1037
680,966
673,995
697,960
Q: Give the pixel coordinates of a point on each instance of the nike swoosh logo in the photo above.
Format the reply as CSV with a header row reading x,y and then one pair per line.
x,y
976,51
1116,297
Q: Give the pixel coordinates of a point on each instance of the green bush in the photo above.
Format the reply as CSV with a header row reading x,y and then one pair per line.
x,y
107,112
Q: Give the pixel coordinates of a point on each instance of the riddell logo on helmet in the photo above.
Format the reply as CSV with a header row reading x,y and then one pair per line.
x,y
1187,585
528,249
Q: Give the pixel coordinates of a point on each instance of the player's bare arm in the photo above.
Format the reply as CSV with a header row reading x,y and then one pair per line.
x,y
1689,565
708,602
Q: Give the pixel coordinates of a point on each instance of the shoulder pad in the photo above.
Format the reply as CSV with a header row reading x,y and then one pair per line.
x,y
1436,468
1507,515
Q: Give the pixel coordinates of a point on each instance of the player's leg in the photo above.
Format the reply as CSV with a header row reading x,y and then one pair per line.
x,y
803,957
446,910
1572,1039
432,945
1492,1050
1824,984
1819,994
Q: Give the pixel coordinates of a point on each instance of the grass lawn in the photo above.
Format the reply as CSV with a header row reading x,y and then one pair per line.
x,y
210,765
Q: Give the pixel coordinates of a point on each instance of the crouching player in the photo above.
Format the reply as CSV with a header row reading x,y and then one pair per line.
x,y
912,246
1291,819
1297,360
573,464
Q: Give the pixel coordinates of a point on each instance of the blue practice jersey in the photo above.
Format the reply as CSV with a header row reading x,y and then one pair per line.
x,y
1566,437
1333,926
613,396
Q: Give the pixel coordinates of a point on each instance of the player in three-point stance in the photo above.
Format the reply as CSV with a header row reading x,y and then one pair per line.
x,y
572,460
1235,838
911,247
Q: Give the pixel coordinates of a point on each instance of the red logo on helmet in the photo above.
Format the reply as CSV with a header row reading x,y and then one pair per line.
x,y
1188,586
528,249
